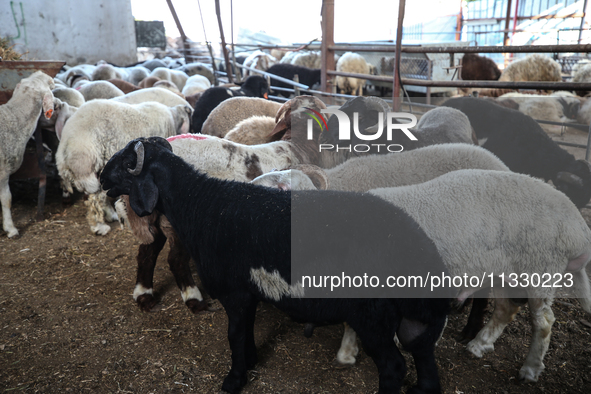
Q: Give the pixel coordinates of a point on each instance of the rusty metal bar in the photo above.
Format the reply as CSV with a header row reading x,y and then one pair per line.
x,y
327,54
396,68
473,84
507,19
582,21
224,49
188,56
474,49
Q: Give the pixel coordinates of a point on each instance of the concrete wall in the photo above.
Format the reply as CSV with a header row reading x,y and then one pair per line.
x,y
76,31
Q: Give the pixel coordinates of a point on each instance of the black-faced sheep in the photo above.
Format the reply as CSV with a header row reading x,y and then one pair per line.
x,y
218,158
219,222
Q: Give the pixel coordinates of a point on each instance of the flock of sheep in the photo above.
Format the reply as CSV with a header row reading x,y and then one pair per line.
x,y
232,182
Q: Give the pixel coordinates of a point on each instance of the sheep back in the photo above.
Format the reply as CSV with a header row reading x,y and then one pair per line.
x,y
229,113
532,68
98,130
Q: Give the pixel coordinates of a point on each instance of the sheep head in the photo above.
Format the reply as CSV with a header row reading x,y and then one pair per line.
x,y
125,173
575,182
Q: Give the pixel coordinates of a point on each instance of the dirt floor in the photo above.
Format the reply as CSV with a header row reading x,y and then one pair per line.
x,y
69,324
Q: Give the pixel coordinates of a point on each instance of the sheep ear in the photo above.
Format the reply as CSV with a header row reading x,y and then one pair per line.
x,y
48,105
143,195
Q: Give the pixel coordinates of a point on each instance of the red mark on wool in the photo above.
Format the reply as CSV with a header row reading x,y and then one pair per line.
x,y
186,136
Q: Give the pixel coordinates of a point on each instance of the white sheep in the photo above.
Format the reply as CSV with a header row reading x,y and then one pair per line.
x,y
258,60
195,84
361,174
252,131
18,120
92,90
81,70
99,129
228,113
498,224
533,67
160,95
105,71
560,106
137,73
68,95
179,78
351,63
198,69
504,223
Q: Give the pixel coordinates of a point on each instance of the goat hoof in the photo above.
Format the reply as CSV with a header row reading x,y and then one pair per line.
x,y
418,390
530,374
309,330
101,229
233,385
197,306
146,302
12,233
478,349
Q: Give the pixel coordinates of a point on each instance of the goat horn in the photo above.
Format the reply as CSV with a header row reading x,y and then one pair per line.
x,y
569,178
139,150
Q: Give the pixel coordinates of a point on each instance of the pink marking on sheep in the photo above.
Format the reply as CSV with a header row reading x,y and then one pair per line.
x,y
182,136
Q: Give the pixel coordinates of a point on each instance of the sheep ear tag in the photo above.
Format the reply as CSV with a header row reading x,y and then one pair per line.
x,y
266,95
48,105
143,195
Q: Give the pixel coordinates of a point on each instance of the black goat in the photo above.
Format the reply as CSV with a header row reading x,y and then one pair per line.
x,y
240,236
307,76
524,147
253,86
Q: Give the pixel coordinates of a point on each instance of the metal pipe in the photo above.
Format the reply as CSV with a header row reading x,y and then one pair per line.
x,y
289,81
224,49
472,49
396,68
473,84
582,21
326,53
186,45
507,18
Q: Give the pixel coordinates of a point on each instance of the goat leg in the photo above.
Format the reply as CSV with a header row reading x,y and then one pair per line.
x,y
146,262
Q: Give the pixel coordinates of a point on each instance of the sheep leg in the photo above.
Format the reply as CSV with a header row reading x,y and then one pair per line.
x,y
96,215
178,261
420,339
476,318
241,315
503,314
349,349
378,342
108,209
146,262
542,319
6,201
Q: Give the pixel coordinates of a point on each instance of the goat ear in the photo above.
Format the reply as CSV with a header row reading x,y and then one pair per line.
x,y
143,195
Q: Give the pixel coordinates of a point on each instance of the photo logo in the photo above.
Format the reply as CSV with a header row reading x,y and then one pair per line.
x,y
372,133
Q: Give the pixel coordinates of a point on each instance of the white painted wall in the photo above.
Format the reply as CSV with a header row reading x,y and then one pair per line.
x,y
76,31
